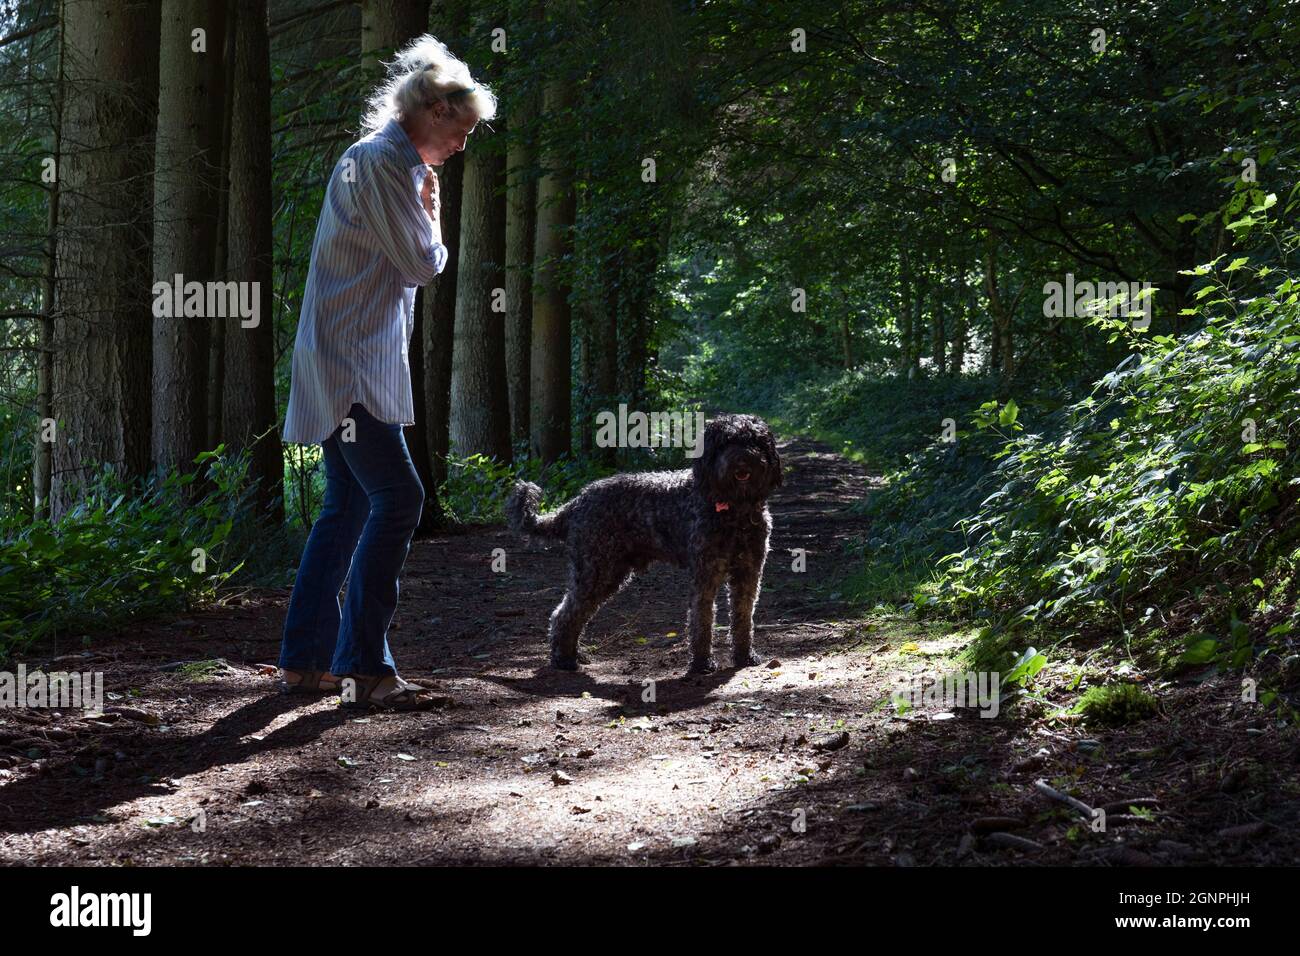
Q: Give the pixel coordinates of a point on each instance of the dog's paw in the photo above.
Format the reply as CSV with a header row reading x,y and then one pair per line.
x,y
747,659
564,663
702,665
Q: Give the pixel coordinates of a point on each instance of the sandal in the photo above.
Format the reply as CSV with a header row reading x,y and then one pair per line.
x,y
404,696
309,682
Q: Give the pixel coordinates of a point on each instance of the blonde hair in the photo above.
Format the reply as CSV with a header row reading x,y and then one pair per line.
x,y
423,72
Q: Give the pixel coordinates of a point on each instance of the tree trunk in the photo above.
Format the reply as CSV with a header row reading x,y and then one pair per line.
x,y
586,382
551,365
960,327
1006,348
102,327
417,433
605,330
439,337
450,22
387,26
480,404
846,336
938,333
904,313
521,225
937,319
604,341
217,325
917,329
43,453
187,174
1002,357
249,411
636,322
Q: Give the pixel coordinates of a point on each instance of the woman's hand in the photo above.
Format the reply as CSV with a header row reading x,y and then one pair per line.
x,y
429,194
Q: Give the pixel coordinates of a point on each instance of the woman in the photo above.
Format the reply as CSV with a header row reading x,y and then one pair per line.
x,y
377,239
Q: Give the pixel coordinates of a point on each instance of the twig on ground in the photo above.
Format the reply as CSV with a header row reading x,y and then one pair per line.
x,y
1052,794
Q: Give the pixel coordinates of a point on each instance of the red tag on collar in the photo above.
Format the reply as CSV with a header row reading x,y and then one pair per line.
x,y
722,506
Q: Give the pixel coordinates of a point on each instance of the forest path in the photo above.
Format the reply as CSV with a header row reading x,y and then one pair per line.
x,y
798,761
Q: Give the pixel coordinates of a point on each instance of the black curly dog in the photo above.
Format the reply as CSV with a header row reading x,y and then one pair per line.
x,y
711,519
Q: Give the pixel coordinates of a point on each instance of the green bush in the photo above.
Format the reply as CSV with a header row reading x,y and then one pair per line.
x,y
1170,490
123,551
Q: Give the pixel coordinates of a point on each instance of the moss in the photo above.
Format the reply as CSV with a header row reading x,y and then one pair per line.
x,y
1116,704
200,670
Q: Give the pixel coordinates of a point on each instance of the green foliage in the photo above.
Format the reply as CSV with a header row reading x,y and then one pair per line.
x,y
892,424
122,552
200,671
477,486
17,435
1174,481
1116,705
933,483
1026,668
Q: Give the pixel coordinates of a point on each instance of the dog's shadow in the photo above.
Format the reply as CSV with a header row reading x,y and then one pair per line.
x,y
647,695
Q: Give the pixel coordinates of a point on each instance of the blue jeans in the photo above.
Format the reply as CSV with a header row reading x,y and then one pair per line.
x,y
373,498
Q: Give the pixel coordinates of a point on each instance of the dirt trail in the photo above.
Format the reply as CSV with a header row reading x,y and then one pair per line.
x,y
797,762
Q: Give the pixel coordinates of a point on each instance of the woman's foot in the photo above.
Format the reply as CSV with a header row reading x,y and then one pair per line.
x,y
386,692
308,682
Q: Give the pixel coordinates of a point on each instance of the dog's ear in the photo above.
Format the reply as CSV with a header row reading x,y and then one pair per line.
x,y
702,467
774,456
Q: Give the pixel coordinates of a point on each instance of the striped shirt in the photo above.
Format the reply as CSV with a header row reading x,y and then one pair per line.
x,y
374,244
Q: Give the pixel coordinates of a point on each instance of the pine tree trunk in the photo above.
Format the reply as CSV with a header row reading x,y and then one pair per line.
x,y
961,320
938,316
938,333
449,21
387,26
480,405
636,322
586,378
605,342
248,410
439,323
102,366
521,225
187,180
846,337
550,368
417,433
1002,355
43,452
217,325
1007,349
904,313
917,326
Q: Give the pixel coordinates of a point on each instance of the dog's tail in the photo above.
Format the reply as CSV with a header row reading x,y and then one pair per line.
x,y
522,516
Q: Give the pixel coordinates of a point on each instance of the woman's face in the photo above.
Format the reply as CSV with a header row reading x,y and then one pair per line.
x,y
446,134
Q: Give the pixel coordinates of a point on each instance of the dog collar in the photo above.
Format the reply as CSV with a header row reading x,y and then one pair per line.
x,y
722,506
